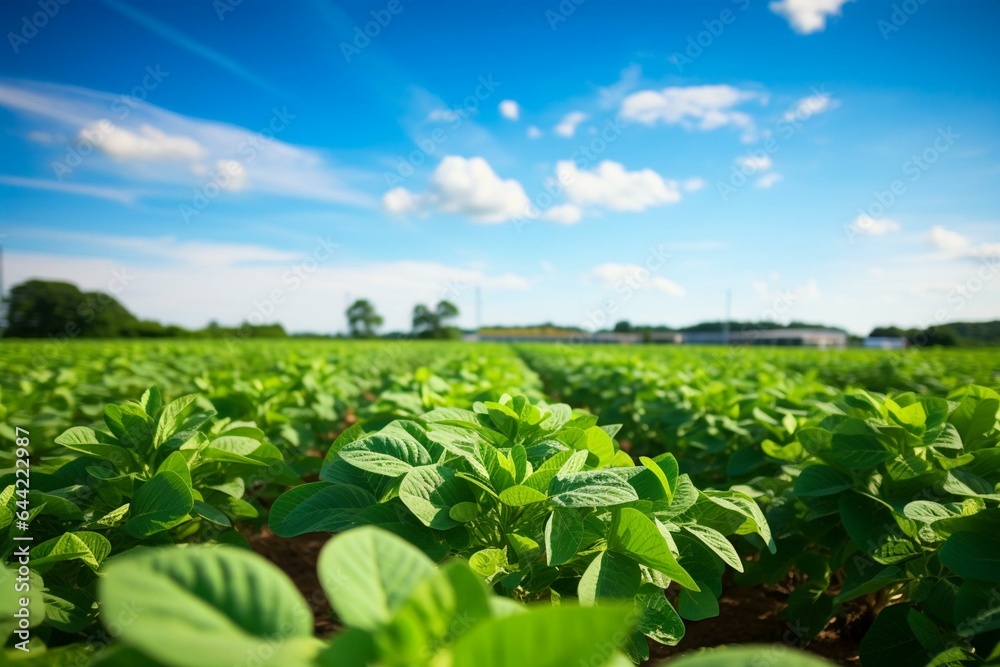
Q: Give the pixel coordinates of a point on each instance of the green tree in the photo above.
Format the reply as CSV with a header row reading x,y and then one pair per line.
x,y
42,308
362,319
429,323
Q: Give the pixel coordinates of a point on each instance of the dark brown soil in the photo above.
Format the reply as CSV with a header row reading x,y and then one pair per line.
x,y
297,557
747,615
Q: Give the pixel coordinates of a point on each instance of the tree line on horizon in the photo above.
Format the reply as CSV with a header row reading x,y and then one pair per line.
x,y
54,309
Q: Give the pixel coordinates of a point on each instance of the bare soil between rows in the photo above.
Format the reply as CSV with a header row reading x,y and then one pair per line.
x,y
747,615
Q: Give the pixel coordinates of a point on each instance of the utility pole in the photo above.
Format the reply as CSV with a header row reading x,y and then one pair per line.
x,y
725,323
3,304
479,308
347,306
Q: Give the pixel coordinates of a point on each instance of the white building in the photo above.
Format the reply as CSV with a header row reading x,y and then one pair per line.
x,y
823,338
884,342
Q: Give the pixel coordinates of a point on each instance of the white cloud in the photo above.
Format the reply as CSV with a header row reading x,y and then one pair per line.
x,y
865,224
810,106
781,298
442,116
667,287
768,180
755,163
237,175
463,186
637,277
956,246
610,186
567,126
985,250
146,143
945,239
564,214
693,184
510,110
42,137
400,201
534,132
693,107
807,16
629,79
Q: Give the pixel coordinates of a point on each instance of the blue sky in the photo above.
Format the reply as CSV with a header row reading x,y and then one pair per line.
x,y
577,162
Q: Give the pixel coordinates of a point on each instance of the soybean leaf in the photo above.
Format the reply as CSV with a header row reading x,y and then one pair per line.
x,y
697,605
610,576
718,543
520,495
855,445
822,480
973,556
368,574
564,532
431,491
318,507
658,620
640,538
160,504
87,547
131,425
208,600
890,641
563,635
385,455
591,488
88,441
750,656
170,419
442,608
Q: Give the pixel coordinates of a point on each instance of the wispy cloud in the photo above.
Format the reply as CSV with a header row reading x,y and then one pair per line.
x,y
613,275
866,224
954,245
166,248
567,126
181,40
120,195
145,143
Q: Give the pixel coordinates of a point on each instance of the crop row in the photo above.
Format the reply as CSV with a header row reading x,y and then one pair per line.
x,y
892,499
700,462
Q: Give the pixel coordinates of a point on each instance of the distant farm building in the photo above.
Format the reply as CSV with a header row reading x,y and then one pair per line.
x,y
792,337
786,337
884,342
551,335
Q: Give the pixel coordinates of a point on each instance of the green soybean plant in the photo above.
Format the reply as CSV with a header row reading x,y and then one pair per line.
x,y
542,502
204,607
155,474
166,471
899,503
